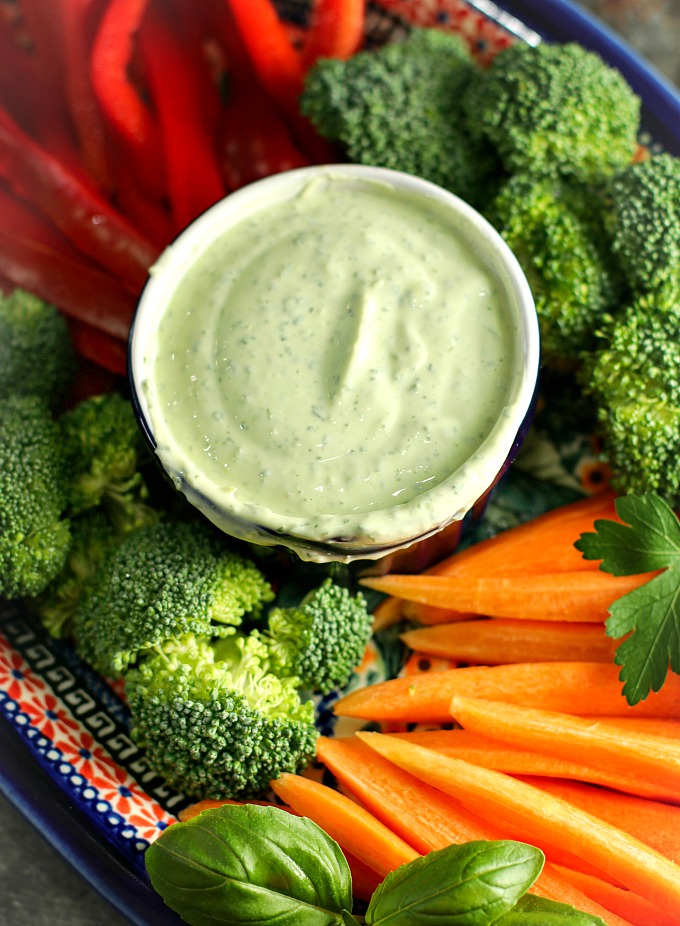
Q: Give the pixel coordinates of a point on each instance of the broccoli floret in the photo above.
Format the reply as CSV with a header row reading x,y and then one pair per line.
x,y
36,352
399,106
160,582
34,535
322,640
555,229
555,109
104,451
214,721
634,379
92,538
645,221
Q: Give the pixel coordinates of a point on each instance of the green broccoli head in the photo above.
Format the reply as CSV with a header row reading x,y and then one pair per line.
x,y
92,539
214,721
161,582
556,232
34,535
322,640
634,379
399,106
36,352
645,221
104,450
555,109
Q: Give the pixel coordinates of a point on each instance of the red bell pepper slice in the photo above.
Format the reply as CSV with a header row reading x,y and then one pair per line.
x,y
277,64
336,30
35,256
100,348
28,87
130,118
254,141
178,92
77,21
85,217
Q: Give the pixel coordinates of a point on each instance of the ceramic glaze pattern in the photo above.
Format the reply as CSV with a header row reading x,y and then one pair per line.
x,y
79,742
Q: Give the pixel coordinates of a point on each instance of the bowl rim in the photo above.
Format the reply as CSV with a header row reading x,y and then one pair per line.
x,y
230,211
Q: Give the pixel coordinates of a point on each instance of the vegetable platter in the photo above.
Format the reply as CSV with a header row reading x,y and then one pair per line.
x,y
67,759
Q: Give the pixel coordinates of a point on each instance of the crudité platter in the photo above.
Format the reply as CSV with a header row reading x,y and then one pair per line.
x,y
66,756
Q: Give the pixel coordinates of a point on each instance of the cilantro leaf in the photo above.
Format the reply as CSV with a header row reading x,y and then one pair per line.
x,y
648,618
649,538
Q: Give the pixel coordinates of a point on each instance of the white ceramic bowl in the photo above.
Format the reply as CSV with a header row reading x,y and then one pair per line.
x,y
374,533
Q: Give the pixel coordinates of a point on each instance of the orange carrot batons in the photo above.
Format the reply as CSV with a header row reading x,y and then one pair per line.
x,y
502,640
425,817
569,596
418,813
546,820
512,759
581,688
653,822
596,743
639,911
543,544
350,825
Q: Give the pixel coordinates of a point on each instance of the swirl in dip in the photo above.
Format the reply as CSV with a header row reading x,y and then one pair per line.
x,y
342,363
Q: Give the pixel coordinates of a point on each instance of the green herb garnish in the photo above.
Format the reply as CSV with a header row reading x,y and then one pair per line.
x,y
649,616
251,865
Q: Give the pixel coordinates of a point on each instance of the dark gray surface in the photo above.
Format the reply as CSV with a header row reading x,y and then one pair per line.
x,y
37,886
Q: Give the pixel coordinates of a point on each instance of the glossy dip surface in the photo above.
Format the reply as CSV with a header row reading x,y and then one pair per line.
x,y
336,364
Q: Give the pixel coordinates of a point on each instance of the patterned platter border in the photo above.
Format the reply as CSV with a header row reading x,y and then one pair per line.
x,y
74,726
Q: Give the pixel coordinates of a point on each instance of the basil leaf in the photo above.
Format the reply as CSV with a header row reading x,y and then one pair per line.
x,y
349,920
537,911
248,864
462,885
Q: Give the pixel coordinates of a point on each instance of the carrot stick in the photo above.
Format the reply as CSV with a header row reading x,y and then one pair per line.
x,y
552,884
424,817
581,688
658,726
544,819
345,821
503,640
563,596
386,613
515,760
544,544
639,911
579,739
653,822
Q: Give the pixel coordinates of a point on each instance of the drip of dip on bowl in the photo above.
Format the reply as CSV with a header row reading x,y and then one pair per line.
x,y
336,359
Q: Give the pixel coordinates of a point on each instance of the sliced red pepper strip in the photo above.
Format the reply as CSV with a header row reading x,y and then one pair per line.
x,y
85,217
254,141
253,126
277,64
336,30
79,290
130,118
77,21
27,83
178,93
100,348
151,217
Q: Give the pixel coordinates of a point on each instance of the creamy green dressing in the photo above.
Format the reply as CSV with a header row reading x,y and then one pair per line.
x,y
329,366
